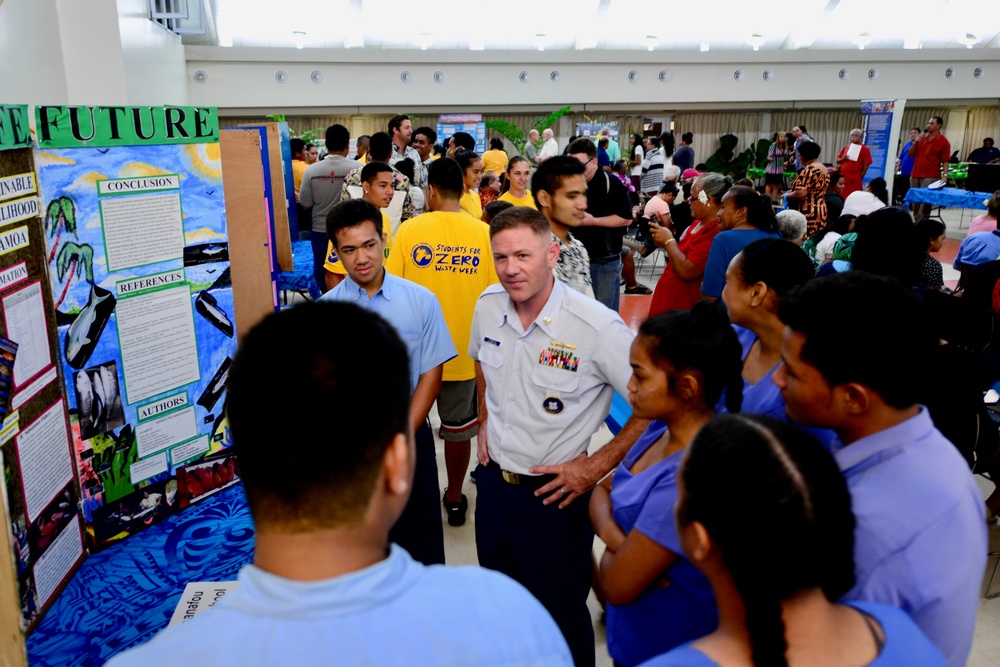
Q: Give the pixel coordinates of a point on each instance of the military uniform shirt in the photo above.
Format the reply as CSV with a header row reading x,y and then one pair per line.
x,y
548,388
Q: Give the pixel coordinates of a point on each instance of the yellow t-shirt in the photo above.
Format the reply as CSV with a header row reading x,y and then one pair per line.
x,y
298,169
449,254
333,263
472,204
495,160
527,200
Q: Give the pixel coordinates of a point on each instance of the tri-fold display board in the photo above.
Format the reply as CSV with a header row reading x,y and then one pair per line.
x,y
117,331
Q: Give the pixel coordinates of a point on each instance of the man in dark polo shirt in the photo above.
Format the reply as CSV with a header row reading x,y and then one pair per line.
x,y
608,214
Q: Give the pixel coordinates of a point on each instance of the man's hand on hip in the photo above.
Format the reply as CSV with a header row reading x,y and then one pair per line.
x,y
573,479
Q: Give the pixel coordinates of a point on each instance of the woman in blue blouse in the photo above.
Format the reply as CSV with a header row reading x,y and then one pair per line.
x,y
681,363
756,280
765,513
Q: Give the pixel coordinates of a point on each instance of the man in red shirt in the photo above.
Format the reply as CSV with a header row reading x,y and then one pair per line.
x,y
930,152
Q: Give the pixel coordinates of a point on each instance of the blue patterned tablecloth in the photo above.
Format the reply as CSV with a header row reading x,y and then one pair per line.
x,y
949,197
124,595
301,279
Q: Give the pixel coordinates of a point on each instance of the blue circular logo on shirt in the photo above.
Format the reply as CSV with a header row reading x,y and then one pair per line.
x,y
552,405
422,255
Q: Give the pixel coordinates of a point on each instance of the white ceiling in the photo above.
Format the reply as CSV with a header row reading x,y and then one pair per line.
x,y
726,25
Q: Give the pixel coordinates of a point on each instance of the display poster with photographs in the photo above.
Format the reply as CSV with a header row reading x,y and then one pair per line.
x,y
42,496
138,257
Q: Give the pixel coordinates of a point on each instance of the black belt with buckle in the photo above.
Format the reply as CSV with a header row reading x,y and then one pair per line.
x,y
521,479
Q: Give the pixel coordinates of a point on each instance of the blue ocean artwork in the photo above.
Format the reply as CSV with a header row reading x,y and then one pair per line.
x,y
87,303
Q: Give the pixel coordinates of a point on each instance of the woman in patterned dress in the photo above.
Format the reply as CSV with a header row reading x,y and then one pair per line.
x,y
809,187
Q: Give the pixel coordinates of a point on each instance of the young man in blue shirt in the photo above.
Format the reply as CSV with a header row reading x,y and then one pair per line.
x,y
327,464
356,230
920,542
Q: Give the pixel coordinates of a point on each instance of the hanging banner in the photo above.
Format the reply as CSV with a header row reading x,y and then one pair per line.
x,y
876,128
14,132
77,127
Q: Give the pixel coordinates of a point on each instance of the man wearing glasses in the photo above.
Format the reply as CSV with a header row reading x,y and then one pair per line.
x,y
608,214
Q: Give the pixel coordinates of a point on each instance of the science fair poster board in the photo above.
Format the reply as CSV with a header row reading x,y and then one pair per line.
x,y
138,260
470,123
40,490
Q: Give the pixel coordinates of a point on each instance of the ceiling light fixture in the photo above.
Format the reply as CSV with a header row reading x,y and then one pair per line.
x,y
651,41
862,40
300,39
803,40
424,40
969,40
540,40
704,47
756,41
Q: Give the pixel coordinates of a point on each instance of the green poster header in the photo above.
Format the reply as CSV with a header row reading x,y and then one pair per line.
x,y
14,131
74,127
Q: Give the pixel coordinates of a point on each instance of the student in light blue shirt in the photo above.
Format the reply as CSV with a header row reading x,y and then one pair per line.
x,y
855,349
766,515
355,228
325,586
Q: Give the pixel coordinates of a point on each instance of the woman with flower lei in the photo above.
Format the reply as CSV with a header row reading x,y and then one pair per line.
x,y
680,284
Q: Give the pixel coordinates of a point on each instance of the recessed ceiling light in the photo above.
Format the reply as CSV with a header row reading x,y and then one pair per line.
x,y
540,40
651,41
756,41
703,47
862,40
300,39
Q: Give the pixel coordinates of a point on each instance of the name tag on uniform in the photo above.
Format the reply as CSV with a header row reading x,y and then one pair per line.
x,y
560,355
491,341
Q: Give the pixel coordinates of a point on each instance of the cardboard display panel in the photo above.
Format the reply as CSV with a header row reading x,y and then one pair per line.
x,y
40,491
254,293
278,201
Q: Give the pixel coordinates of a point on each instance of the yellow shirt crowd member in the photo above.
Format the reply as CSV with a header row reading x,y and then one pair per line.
x,y
527,200
333,263
495,160
449,254
472,204
298,169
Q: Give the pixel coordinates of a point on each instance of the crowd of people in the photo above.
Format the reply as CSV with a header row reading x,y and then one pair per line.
x,y
791,488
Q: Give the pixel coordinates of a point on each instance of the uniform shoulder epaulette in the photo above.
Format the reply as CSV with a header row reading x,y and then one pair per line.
x,y
492,291
590,311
